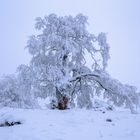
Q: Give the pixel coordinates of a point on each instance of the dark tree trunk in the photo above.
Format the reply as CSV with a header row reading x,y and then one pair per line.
x,y
62,100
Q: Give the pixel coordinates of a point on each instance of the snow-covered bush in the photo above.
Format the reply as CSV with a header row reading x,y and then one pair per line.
x,y
7,118
8,92
15,90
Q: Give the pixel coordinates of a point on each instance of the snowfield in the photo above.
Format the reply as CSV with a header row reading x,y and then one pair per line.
x,y
73,124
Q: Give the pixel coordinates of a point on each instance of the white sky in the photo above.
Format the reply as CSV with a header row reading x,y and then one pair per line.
x,y
119,18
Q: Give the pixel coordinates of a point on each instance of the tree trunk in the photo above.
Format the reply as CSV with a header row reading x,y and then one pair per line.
x,y
62,100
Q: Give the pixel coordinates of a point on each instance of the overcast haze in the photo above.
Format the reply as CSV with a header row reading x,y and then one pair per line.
x,y
119,18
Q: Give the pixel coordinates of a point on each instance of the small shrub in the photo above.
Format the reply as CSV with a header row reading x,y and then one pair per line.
x,y
6,123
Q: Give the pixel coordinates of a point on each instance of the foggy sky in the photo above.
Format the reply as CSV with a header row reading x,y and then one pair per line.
x,y
120,19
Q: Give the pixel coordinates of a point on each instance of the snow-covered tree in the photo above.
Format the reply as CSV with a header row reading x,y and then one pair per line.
x,y
60,67
9,95
25,90
16,90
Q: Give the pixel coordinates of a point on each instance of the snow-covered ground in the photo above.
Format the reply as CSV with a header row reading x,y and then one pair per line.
x,y
74,124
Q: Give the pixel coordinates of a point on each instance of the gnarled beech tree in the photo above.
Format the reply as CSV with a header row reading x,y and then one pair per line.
x,y
60,66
